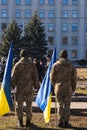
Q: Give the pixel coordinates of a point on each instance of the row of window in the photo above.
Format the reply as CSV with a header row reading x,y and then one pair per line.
x,y
28,2
21,25
18,2
74,40
42,2
74,2
51,14
28,14
74,27
4,14
64,2
64,13
75,13
51,27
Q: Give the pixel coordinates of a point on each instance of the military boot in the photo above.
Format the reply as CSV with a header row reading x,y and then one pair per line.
x,y
67,125
60,124
29,124
20,123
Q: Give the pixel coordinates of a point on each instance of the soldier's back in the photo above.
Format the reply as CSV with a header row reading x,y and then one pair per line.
x,y
63,76
25,72
63,69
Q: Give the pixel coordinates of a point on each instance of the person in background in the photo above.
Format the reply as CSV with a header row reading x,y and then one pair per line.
x,y
2,68
30,59
24,77
48,58
63,77
39,68
42,70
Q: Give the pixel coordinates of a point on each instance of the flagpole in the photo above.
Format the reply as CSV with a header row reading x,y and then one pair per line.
x,y
15,102
56,112
15,105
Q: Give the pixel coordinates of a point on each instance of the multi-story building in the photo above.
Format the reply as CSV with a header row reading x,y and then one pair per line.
x,y
65,22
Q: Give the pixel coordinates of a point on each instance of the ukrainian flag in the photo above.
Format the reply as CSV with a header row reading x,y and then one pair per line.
x,y
5,91
43,99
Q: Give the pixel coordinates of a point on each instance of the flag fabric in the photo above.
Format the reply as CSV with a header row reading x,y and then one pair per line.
x,y
5,91
43,99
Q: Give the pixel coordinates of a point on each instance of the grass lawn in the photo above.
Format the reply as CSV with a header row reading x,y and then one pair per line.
x,y
82,73
78,119
81,91
82,76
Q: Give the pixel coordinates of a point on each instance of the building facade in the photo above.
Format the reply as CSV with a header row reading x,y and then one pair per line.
x,y
65,22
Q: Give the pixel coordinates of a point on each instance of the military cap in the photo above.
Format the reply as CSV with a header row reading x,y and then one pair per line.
x,y
23,53
63,54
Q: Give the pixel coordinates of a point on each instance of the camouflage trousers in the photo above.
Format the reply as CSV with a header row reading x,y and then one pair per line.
x,y
63,107
28,99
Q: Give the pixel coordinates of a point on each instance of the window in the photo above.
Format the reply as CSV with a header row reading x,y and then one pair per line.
x,y
86,53
27,2
74,2
4,2
64,13
18,2
65,2
64,40
41,14
74,53
18,13
86,13
74,40
74,13
64,27
74,27
86,40
85,2
27,13
51,2
42,2
50,39
4,13
50,27
51,14
86,27
3,26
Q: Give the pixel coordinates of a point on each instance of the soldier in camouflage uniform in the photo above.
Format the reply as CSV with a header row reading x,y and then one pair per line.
x,y
24,77
63,78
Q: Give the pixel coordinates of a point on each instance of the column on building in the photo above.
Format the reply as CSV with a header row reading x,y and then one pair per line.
x,y
34,6
58,27
11,13
81,30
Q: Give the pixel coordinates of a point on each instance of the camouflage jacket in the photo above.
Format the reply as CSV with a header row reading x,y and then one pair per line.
x,y
25,76
63,76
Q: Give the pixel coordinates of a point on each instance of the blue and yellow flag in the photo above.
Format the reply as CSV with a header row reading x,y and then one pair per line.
x,y
5,91
43,99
